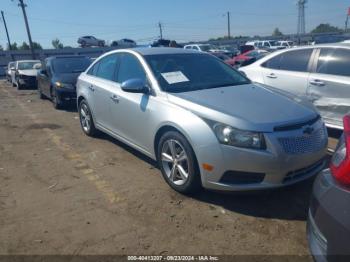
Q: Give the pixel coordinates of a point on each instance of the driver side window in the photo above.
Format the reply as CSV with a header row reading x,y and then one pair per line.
x,y
130,68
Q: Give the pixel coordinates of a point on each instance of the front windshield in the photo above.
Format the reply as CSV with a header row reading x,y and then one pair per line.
x,y
70,65
26,65
188,72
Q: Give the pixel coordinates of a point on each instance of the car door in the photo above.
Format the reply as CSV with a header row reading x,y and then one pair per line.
x,y
44,77
102,87
131,114
288,71
329,84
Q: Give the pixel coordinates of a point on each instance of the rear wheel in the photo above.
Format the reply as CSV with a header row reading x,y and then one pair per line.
x,y
40,94
86,120
178,163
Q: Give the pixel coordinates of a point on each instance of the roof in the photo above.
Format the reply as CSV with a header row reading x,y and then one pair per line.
x,y
23,61
162,51
64,56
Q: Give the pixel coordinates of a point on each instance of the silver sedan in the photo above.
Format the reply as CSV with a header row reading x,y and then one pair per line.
x,y
205,123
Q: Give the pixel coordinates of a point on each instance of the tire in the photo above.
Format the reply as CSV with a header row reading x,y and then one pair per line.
x,y
19,86
57,104
185,176
86,119
40,94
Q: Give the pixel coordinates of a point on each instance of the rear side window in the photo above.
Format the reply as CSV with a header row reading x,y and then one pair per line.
x,y
107,67
296,60
334,62
130,68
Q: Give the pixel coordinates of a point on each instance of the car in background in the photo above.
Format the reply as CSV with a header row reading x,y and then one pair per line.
x,y
24,74
9,71
328,226
58,76
285,44
203,48
87,41
249,57
165,43
321,73
200,114
269,45
228,60
229,50
125,43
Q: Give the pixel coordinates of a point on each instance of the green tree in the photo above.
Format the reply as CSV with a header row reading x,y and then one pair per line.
x,y
37,46
24,46
277,32
13,46
56,43
326,28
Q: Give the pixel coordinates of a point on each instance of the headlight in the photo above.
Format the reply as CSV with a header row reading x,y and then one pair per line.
x,y
63,85
234,137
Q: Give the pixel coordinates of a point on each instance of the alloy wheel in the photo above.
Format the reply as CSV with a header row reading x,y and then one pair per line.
x,y
175,162
85,118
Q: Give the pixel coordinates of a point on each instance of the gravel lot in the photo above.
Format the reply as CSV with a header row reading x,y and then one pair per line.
x,y
65,193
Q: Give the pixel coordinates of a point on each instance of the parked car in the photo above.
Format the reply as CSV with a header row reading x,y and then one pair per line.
x,y
165,43
319,72
328,226
205,123
265,44
285,44
203,48
249,57
24,74
10,70
228,60
125,43
58,76
86,41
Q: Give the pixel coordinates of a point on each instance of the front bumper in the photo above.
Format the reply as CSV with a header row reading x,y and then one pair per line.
x,y
29,81
66,94
275,166
329,220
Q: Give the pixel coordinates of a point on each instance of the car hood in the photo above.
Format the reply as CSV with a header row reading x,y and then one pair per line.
x,y
28,72
251,107
68,78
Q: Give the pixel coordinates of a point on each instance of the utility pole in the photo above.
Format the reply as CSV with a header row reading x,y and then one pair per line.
x,y
23,6
7,33
301,18
347,20
228,25
160,30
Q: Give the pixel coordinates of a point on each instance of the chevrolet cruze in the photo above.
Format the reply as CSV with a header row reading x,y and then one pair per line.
x,y
205,123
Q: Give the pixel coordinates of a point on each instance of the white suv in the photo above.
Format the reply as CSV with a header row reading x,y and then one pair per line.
x,y
321,73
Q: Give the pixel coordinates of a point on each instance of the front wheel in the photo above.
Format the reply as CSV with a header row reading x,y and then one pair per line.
x,y
178,163
40,94
86,120
57,104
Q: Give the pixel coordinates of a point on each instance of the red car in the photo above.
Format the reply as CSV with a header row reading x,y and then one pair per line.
x,y
249,57
228,60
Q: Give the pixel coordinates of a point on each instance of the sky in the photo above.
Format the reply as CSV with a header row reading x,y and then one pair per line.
x,y
182,20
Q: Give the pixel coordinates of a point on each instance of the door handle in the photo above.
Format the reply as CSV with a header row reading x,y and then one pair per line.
x,y
317,82
91,87
272,75
115,98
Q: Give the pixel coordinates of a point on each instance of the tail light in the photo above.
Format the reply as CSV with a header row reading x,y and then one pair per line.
x,y
340,163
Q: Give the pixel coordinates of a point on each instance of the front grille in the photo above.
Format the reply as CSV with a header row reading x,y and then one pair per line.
x,y
297,125
304,144
297,174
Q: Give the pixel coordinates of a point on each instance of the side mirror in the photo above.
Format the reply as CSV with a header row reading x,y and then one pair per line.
x,y
135,86
12,68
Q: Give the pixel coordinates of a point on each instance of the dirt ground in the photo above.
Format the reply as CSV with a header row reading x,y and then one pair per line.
x,y
62,192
